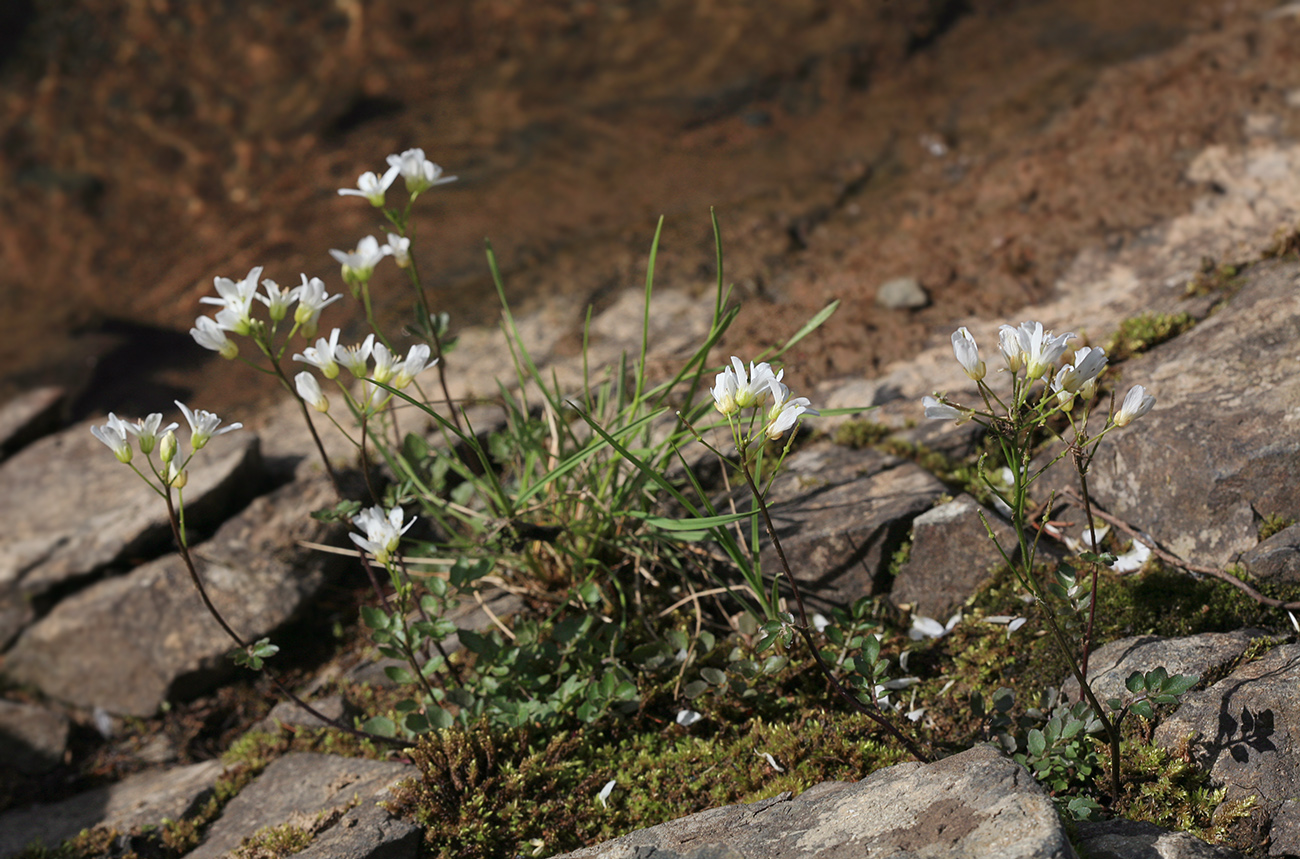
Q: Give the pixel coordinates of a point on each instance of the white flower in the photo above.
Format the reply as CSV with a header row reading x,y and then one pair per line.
x,y
1009,345
384,360
752,388
309,390
419,173
1132,560
935,410
355,357
686,718
148,429
399,247
277,300
771,761
236,299
1011,622
312,299
724,392
115,435
605,792
1040,350
968,354
417,361
783,415
210,335
820,622
1136,404
383,531
359,264
203,425
1081,376
928,627
372,187
321,356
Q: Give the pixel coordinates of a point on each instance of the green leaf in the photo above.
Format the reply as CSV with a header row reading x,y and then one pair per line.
x,y
439,718
1036,743
1179,683
1135,682
590,593
714,676
375,618
381,725
1004,699
701,523
398,674
694,689
1143,709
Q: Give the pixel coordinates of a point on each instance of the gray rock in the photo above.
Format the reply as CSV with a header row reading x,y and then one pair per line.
x,y
902,293
128,643
1245,729
1284,834
290,714
32,739
840,514
951,557
29,416
139,800
1213,457
977,803
1276,559
309,790
70,508
1204,655
1130,839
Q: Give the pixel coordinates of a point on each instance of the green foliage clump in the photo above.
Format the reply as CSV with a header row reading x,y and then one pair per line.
x,y
859,434
1272,524
1137,334
274,842
1215,277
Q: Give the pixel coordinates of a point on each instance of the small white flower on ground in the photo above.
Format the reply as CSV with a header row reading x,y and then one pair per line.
x,y
771,761
417,361
115,434
383,531
1011,622
359,264
686,718
1132,560
372,187
203,425
605,791
148,429
419,173
1137,402
968,354
899,683
309,390
210,335
321,356
937,411
915,715
312,299
236,299
399,247
820,622
355,358
784,413
928,627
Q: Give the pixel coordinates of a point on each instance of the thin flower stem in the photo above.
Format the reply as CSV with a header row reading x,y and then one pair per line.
x,y
872,712
178,532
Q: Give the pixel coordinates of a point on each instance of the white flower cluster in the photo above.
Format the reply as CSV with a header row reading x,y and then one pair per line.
x,y
736,389
1033,351
419,173
383,531
150,433
327,355
235,298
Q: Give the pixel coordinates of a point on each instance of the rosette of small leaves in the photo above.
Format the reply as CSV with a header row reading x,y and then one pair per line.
x,y
255,654
1067,585
1156,686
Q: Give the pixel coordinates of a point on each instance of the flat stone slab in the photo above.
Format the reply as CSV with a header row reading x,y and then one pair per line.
x,y
335,796
951,557
128,643
1130,839
1208,653
840,514
29,416
32,738
70,509
976,803
1245,729
142,799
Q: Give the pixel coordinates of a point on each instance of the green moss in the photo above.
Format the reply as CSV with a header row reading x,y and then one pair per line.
x,y
859,434
1137,334
478,792
1171,792
1214,276
1274,523
274,842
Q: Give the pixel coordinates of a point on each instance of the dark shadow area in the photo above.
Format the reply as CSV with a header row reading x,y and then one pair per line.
x,y
127,362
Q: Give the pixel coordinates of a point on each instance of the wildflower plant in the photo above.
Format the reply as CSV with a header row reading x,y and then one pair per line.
x,y
1043,398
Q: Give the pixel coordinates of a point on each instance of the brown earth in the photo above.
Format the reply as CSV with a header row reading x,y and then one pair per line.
x,y
148,146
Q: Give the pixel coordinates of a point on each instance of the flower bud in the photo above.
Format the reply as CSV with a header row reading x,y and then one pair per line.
x,y
167,446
